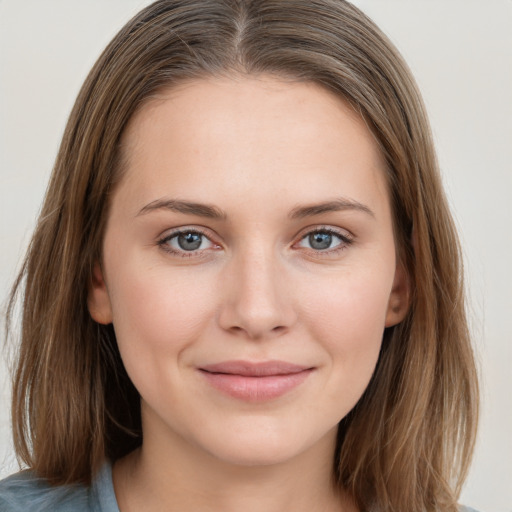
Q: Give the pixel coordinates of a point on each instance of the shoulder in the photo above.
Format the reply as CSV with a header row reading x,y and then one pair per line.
x,y
24,492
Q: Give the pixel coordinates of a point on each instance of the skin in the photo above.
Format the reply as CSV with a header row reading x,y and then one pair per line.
x,y
259,149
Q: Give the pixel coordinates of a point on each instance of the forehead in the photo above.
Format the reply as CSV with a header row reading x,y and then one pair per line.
x,y
252,133
222,104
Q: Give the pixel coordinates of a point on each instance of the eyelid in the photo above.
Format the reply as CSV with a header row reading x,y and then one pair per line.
x,y
174,232
346,237
341,232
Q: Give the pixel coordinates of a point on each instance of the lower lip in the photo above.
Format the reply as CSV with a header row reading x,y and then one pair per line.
x,y
256,389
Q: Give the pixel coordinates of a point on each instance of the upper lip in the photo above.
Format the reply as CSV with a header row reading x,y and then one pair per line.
x,y
255,369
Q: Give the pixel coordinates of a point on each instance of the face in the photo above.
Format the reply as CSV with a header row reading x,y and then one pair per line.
x,y
249,266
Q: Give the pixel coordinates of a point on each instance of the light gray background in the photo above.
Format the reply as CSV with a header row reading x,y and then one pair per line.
x,y
461,54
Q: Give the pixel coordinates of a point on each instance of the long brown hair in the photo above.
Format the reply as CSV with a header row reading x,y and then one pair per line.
x,y
407,443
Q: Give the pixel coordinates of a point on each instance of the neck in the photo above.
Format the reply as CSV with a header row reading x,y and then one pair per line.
x,y
178,476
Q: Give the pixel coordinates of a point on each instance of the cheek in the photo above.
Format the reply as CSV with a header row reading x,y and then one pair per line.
x,y
351,306
158,312
348,320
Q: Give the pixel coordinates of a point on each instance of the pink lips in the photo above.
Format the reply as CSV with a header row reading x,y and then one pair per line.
x,y
255,382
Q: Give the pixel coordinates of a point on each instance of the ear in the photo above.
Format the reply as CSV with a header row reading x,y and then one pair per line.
x,y
399,299
98,300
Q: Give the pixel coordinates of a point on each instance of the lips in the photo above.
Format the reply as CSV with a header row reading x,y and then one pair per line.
x,y
255,382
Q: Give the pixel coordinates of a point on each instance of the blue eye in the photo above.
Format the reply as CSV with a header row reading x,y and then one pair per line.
x,y
189,241
186,241
323,240
320,241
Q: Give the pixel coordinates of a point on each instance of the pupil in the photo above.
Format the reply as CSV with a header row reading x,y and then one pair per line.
x,y
320,241
189,241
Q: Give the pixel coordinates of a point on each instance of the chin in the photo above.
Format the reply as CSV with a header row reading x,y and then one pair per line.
x,y
266,445
254,456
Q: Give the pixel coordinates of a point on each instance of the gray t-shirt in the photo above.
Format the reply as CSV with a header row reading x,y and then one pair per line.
x,y
23,492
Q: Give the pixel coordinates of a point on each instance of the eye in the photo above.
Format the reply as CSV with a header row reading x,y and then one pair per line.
x,y
186,241
324,240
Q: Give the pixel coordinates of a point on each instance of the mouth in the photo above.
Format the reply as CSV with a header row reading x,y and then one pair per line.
x,y
255,382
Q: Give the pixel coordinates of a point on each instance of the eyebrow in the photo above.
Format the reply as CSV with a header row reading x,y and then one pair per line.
x,y
336,205
187,207
213,212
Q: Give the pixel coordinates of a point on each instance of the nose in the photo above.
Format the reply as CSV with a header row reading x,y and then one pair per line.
x,y
256,296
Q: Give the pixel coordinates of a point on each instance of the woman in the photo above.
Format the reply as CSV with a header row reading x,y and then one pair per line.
x,y
244,289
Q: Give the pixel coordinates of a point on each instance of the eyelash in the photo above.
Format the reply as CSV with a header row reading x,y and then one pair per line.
x,y
345,241
164,243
